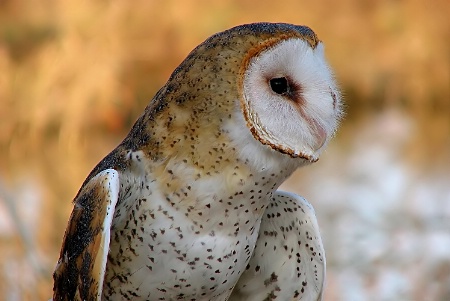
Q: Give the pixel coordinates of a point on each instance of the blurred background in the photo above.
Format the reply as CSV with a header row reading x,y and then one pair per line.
x,y
75,75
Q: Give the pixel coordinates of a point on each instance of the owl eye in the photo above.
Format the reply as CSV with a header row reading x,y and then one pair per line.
x,y
279,85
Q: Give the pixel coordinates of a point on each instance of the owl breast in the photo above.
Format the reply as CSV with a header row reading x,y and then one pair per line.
x,y
193,240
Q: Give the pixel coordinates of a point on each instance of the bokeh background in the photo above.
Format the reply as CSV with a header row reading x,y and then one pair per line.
x,y
75,75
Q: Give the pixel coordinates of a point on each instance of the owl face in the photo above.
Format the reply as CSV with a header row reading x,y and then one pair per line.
x,y
290,100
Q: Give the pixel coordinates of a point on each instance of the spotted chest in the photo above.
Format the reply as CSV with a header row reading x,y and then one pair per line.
x,y
191,239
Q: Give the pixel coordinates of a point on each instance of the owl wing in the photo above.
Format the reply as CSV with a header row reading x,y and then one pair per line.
x,y
288,262
81,266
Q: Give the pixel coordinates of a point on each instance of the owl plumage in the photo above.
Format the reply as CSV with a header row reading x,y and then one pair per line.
x,y
180,210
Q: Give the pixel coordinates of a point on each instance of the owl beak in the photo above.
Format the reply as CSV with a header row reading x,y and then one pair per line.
x,y
318,132
320,135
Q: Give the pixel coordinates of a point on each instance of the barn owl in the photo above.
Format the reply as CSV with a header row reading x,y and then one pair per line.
x,y
187,206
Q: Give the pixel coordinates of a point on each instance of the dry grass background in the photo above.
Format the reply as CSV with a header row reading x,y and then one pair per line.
x,y
74,75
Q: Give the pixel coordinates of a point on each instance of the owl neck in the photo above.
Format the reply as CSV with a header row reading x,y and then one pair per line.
x,y
217,199
216,169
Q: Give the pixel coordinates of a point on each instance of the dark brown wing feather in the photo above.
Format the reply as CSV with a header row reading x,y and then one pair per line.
x,y
81,266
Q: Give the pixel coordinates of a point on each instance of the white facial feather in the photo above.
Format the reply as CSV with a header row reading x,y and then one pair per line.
x,y
300,126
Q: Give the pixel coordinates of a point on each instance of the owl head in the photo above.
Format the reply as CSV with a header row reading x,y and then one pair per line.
x,y
263,90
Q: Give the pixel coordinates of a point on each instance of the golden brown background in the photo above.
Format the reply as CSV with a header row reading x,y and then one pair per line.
x,y
74,75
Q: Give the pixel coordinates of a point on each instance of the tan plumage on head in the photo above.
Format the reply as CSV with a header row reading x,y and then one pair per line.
x,y
187,207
